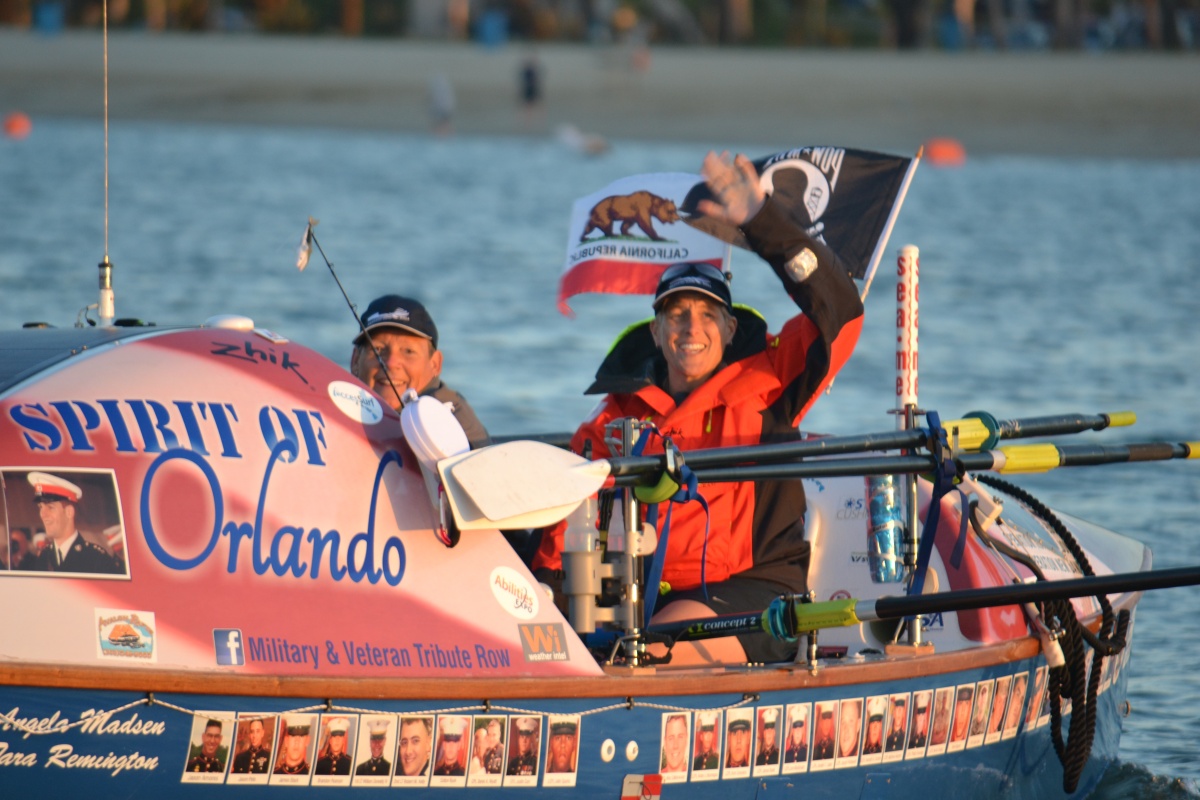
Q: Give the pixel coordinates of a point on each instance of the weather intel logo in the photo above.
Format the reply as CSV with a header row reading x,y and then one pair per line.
x,y
228,644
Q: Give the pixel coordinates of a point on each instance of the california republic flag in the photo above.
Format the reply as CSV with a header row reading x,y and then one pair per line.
x,y
625,235
622,237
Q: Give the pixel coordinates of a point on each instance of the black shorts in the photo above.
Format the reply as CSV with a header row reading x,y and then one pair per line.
x,y
742,596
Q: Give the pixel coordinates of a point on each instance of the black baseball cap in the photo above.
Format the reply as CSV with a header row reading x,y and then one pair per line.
x,y
693,276
404,313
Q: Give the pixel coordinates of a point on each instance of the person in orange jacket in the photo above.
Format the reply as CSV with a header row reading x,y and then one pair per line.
x,y
710,375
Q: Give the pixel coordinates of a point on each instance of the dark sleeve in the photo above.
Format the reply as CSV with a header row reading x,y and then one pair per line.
x,y
812,347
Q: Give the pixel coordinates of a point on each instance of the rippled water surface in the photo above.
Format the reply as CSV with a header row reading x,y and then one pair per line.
x,y
1048,286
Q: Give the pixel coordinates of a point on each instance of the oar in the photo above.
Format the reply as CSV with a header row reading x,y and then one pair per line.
x,y
519,484
1005,460
966,434
843,613
979,430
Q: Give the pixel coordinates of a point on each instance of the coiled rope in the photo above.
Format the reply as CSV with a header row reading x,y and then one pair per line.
x,y
1073,680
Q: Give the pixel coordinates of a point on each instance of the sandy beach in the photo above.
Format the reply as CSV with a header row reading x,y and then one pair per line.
x,y
1138,105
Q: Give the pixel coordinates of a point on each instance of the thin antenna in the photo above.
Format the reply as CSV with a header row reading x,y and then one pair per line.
x,y
312,237
105,306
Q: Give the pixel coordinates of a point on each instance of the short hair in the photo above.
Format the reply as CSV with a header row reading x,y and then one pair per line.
x,y
426,721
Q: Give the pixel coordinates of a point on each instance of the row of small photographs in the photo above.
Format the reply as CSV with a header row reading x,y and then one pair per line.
x,y
770,740
417,750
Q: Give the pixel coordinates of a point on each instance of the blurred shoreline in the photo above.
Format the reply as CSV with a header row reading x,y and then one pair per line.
x,y
1112,105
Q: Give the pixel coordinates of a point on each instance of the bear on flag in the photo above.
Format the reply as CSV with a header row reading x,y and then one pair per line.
x,y
623,236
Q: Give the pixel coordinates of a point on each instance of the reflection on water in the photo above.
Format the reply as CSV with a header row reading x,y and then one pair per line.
x,y
1048,286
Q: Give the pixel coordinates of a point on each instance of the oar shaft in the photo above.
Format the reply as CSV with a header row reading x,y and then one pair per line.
x,y
1016,594
1007,460
969,434
781,451
975,432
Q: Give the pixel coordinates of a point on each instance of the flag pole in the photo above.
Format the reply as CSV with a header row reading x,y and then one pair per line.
x,y
891,221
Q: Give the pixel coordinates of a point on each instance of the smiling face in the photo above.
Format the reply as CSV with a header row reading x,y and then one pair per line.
x,y
210,741
414,746
692,331
58,518
411,362
377,743
675,744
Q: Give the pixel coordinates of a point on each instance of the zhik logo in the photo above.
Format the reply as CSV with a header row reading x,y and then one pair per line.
x,y
228,644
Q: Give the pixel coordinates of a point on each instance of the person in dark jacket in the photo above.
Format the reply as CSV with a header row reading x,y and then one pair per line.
x,y
400,332
710,375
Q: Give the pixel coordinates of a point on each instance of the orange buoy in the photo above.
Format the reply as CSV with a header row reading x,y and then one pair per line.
x,y
17,125
945,152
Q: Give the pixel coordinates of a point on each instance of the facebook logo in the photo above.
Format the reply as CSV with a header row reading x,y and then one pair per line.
x,y
228,644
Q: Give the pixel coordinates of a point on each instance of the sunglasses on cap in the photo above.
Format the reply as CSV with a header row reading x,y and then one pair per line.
x,y
707,270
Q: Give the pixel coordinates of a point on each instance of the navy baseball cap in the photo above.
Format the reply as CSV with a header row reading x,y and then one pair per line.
x,y
695,276
404,313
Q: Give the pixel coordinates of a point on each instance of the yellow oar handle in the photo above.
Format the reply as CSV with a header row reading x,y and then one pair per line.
x,y
1027,458
1121,419
826,614
979,430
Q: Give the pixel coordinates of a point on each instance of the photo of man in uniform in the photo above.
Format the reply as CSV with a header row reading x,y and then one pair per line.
x,y
768,740
377,741
493,758
416,743
737,743
333,758
996,718
560,756
211,755
66,550
898,730
1015,706
941,716
983,703
525,760
293,758
708,755
919,732
823,745
451,747
255,757
796,750
962,714
873,741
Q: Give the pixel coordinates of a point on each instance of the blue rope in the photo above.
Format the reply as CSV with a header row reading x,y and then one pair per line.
x,y
944,474
689,489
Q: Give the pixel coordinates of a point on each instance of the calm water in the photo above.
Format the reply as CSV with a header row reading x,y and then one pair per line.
x,y
1047,286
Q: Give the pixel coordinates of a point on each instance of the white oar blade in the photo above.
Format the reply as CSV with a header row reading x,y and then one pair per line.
x,y
515,480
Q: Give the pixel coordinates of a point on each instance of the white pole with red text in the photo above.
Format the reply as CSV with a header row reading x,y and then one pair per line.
x,y
908,271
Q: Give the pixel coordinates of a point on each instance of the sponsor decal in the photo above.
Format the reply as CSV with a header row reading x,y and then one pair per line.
x,y
126,635
228,643
355,402
514,593
852,508
543,641
247,352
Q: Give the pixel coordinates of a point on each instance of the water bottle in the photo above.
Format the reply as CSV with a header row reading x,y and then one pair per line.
x,y
885,530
